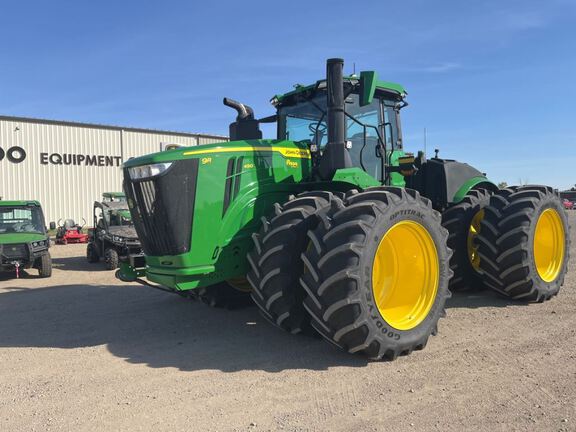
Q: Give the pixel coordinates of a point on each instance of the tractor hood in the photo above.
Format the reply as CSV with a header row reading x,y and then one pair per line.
x,y
285,148
12,238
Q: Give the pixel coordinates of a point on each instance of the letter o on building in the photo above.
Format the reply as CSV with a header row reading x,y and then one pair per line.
x,y
2,153
16,154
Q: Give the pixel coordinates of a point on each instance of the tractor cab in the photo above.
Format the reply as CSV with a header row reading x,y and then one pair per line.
x,y
371,134
372,124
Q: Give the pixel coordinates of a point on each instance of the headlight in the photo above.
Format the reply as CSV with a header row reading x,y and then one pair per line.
x,y
145,171
39,244
117,239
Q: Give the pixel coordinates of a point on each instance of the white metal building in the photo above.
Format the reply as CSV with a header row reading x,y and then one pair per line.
x,y
67,165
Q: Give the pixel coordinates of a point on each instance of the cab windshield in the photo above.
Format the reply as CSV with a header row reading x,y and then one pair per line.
x,y
367,128
21,219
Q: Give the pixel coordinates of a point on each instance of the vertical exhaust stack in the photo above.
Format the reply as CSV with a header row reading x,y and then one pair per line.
x,y
335,154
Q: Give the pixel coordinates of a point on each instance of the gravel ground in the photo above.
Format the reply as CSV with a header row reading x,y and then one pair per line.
x,y
82,351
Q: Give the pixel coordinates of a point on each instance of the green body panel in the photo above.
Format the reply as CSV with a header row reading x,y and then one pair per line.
x,y
355,176
12,238
396,179
271,171
469,185
358,177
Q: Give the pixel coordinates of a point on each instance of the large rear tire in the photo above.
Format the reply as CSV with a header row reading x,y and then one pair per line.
x,y
463,222
377,273
524,243
276,264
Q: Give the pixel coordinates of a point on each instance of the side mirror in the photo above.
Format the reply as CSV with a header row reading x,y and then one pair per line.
x,y
52,225
367,87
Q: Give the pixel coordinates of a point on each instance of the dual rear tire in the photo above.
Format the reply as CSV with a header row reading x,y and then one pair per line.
x,y
514,241
524,243
368,271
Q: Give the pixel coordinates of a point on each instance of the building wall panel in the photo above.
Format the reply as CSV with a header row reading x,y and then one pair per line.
x,y
54,174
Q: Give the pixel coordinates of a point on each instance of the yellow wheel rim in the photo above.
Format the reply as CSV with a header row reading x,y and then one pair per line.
x,y
473,232
405,275
549,245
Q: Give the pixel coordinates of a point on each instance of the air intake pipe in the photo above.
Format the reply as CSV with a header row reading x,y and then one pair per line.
x,y
335,154
244,111
245,127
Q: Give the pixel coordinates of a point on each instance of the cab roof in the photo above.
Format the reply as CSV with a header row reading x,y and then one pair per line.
x,y
113,205
386,86
19,203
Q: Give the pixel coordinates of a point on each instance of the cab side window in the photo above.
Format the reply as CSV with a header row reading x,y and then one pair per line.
x,y
99,218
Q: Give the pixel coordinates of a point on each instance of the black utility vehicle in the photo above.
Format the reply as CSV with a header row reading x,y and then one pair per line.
x,y
113,236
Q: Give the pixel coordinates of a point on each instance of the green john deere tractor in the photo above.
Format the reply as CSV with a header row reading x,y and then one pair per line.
x,y
334,226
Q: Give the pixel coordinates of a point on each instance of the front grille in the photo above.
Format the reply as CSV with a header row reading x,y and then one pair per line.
x,y
14,251
162,208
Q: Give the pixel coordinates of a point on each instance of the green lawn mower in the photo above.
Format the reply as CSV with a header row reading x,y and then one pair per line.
x,y
333,227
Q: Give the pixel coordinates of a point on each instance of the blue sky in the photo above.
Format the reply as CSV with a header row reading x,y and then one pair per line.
x,y
493,82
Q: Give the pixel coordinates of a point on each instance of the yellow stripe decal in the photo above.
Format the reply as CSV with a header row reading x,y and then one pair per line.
x,y
286,152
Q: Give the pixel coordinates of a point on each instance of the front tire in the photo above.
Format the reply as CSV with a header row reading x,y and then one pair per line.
x,y
111,259
45,266
377,274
